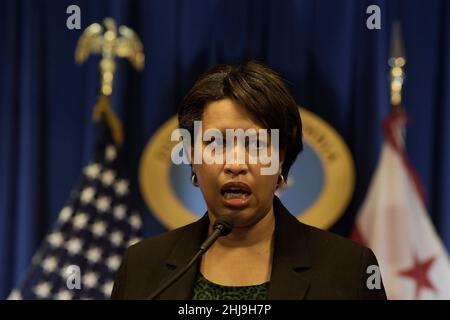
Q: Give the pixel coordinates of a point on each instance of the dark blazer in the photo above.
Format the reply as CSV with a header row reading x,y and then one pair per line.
x,y
308,263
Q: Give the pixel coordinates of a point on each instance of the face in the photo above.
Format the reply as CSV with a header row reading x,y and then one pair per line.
x,y
235,189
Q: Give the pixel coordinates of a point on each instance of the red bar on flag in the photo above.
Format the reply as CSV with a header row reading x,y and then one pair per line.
x,y
394,223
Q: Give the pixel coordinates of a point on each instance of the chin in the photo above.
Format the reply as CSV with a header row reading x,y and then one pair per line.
x,y
246,217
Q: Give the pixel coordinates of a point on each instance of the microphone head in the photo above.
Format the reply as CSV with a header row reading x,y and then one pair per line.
x,y
224,224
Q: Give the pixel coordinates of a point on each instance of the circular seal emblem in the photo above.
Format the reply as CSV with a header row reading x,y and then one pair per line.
x,y
319,187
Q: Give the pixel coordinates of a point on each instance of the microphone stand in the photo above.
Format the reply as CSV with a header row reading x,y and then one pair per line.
x,y
219,228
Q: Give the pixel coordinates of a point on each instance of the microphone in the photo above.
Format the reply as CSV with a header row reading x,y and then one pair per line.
x,y
222,227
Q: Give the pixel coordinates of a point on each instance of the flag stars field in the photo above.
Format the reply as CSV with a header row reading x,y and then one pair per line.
x,y
108,177
113,262
64,271
80,220
92,171
98,228
116,238
63,295
93,255
73,246
135,221
92,231
87,195
65,214
90,279
121,187
107,288
50,264
110,153
120,211
42,290
103,203
55,239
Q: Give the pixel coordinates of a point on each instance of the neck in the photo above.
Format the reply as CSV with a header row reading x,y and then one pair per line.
x,y
229,260
259,233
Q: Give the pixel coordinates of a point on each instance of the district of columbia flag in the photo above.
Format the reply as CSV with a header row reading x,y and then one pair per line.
x,y
394,223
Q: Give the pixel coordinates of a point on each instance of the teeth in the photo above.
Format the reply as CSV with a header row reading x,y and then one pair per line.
x,y
235,195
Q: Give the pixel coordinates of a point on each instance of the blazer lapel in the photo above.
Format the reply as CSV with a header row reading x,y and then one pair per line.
x,y
185,248
290,257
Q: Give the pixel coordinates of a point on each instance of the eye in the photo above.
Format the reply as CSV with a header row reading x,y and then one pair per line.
x,y
257,144
217,141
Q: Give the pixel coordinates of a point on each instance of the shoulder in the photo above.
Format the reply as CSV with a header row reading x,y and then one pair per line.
x,y
319,240
343,265
320,244
141,264
337,267
327,247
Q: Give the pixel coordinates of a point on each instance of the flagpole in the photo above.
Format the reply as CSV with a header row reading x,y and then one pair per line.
x,y
397,62
120,42
110,42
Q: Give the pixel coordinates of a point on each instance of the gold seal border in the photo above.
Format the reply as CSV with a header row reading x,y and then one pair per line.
x,y
337,189
339,172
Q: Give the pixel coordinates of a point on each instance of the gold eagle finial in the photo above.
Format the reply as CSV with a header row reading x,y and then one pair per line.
x,y
109,43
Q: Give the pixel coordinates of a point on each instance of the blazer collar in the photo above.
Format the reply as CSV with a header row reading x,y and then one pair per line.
x,y
290,257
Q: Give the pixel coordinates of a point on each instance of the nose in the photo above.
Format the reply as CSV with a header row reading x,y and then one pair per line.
x,y
235,169
236,166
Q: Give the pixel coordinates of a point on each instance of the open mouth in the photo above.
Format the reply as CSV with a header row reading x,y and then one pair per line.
x,y
235,194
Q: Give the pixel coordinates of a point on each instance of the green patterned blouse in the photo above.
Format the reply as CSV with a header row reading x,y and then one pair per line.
x,y
207,290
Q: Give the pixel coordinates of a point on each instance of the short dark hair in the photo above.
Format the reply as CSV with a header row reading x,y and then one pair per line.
x,y
258,89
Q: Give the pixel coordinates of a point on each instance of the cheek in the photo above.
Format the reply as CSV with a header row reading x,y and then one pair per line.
x,y
265,184
207,175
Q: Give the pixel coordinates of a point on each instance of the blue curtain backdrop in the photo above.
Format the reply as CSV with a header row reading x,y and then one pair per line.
x,y
335,66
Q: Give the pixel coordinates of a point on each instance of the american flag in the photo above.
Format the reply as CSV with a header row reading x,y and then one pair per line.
x,y
79,258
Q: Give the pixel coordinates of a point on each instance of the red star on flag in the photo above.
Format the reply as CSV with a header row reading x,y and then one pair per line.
x,y
419,273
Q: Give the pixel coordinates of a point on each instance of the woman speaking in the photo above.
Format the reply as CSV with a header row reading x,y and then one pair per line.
x,y
267,253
